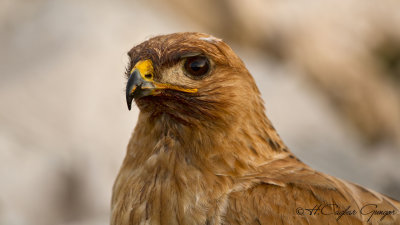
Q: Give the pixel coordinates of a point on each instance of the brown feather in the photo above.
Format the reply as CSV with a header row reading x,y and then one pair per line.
x,y
214,157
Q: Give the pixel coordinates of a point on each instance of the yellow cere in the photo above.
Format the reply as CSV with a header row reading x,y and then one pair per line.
x,y
145,67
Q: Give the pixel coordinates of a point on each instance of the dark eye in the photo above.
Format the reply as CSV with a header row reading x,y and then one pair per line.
x,y
197,66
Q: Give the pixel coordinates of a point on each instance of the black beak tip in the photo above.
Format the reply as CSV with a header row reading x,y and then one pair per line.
x,y
129,99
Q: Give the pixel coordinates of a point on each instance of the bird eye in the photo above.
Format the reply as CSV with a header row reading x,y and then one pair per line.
x,y
197,66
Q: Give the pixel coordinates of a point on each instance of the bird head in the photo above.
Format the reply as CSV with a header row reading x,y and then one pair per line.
x,y
196,98
189,76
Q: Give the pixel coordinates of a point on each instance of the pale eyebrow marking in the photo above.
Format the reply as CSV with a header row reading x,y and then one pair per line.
x,y
210,39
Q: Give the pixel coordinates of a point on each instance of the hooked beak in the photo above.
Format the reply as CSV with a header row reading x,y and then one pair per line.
x,y
137,87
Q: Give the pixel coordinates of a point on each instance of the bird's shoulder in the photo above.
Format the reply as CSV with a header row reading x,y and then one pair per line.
x,y
287,191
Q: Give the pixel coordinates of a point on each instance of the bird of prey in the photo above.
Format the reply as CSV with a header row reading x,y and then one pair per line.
x,y
204,152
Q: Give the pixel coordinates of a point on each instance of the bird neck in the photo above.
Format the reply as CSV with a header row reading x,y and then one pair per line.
x,y
165,155
233,145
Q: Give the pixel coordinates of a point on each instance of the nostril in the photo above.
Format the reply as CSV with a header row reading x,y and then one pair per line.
x,y
148,76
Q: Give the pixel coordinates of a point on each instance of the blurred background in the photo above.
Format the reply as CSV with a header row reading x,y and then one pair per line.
x,y
329,72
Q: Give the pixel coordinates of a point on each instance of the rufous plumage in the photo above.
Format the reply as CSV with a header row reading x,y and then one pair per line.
x,y
204,152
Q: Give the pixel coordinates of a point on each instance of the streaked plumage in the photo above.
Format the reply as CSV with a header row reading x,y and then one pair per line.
x,y
204,152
